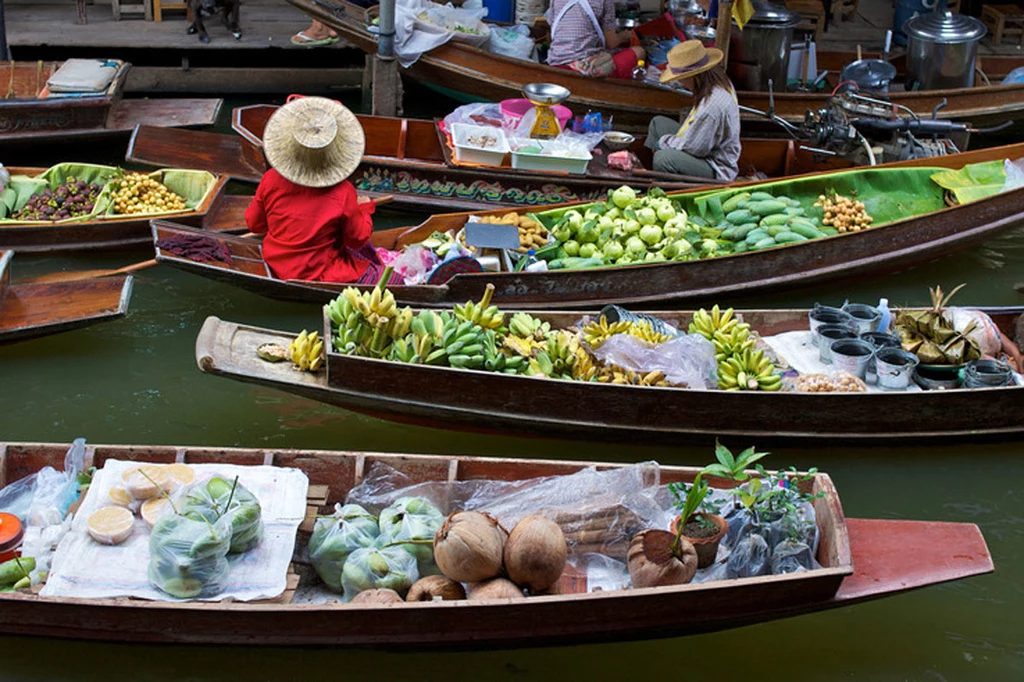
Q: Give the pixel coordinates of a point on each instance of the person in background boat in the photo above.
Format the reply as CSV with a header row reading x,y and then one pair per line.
x,y
707,144
317,35
316,227
584,34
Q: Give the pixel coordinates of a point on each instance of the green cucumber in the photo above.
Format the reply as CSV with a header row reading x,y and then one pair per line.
x,y
775,219
766,208
829,231
731,204
774,230
761,196
783,198
789,238
803,222
804,230
743,230
793,203
740,247
794,211
764,243
14,570
755,235
740,217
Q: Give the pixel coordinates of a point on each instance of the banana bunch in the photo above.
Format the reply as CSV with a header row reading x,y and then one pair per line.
x,y
584,368
561,350
540,365
596,333
496,361
306,351
525,347
426,332
400,324
644,330
377,306
462,343
526,326
717,321
404,350
483,313
748,371
733,342
352,331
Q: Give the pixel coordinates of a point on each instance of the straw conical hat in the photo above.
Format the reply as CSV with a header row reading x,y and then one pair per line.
x,y
314,142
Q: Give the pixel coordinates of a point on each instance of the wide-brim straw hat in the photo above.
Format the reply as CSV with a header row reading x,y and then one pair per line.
x,y
314,141
689,58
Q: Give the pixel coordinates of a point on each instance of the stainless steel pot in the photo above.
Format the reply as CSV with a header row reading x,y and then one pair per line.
x,y
761,50
942,48
872,75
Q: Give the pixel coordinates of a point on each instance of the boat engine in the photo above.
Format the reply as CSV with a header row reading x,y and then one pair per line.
x,y
863,129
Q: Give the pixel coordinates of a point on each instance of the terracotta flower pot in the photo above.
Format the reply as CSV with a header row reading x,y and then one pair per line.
x,y
707,547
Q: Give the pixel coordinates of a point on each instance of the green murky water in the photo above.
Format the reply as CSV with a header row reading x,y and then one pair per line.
x,y
135,381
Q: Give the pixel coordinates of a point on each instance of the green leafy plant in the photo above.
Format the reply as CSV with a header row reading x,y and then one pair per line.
x,y
775,496
734,468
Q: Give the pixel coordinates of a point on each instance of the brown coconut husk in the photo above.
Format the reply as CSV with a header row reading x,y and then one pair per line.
x,y
435,586
468,547
495,588
535,553
652,562
381,596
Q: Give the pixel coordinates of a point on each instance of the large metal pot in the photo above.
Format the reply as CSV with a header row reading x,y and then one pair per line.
x,y
761,50
941,50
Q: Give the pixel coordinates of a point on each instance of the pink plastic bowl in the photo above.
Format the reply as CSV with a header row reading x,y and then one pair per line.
x,y
513,109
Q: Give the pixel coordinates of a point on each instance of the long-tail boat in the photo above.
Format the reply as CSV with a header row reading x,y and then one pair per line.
x,y
891,247
522,405
411,160
30,113
467,72
31,310
860,559
217,212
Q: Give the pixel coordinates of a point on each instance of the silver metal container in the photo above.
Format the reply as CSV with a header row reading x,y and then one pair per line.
x,y
865,317
761,50
872,75
894,368
942,48
852,355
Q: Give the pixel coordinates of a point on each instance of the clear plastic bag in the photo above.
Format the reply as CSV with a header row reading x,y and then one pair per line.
x,y
214,499
43,498
336,537
512,41
415,264
187,557
477,114
1014,174
372,568
985,332
791,556
416,520
687,360
466,25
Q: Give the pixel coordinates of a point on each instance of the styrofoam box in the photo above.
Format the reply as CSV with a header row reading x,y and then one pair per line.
x,y
556,160
464,151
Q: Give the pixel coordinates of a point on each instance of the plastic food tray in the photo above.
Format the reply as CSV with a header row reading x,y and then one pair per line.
x,y
557,161
466,152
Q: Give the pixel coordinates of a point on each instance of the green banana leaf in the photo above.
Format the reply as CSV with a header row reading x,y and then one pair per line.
x,y
889,194
973,182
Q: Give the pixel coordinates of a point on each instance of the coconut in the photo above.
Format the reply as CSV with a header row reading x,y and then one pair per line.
x,y
435,587
535,553
468,547
652,562
379,596
496,588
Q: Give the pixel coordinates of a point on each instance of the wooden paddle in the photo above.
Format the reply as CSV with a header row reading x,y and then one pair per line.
x,y
85,274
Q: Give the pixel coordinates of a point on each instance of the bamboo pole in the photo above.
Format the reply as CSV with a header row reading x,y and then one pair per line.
x,y
723,29
385,88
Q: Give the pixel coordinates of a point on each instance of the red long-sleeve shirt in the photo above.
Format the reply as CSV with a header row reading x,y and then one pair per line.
x,y
311,231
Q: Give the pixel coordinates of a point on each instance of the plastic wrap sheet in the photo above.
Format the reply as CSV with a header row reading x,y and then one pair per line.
x,y
83,568
687,360
599,511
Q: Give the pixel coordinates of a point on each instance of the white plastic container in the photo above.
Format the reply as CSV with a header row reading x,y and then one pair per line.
x,y
558,157
467,151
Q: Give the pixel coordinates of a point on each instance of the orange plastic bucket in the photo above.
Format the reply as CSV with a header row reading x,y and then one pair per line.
x,y
11,533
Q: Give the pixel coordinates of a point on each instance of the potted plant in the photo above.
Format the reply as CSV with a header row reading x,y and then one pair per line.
x,y
703,529
773,501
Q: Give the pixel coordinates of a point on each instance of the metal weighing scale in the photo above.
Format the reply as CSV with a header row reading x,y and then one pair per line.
x,y
543,96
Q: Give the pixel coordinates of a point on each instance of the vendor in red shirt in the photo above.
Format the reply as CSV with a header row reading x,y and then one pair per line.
x,y
316,227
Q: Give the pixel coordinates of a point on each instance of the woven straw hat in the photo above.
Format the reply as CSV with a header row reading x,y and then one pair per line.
x,y
314,141
689,58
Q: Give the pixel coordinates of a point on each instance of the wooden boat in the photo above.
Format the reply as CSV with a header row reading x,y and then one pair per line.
x,y
408,159
30,113
478,400
462,71
862,559
895,246
31,310
218,212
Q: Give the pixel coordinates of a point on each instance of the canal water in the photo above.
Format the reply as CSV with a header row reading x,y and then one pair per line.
x,y
135,381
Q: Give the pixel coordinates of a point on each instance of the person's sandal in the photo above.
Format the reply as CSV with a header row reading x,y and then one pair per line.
x,y
301,38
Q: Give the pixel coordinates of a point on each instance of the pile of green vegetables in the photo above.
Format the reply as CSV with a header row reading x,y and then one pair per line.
x,y
354,551
188,550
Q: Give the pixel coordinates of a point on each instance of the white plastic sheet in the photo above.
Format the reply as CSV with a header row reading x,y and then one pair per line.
x,y
83,568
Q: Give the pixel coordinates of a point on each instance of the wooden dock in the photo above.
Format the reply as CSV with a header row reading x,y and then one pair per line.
x,y
166,59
